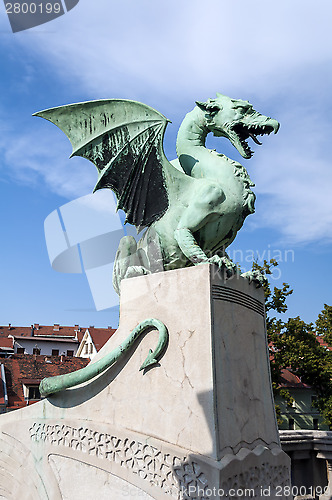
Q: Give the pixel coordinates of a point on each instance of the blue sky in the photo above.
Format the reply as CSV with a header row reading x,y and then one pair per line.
x,y
168,54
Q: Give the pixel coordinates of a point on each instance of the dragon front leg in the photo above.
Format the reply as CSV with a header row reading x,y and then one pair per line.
x,y
224,262
189,245
203,210
195,254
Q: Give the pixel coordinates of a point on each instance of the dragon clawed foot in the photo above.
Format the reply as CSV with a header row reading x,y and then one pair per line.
x,y
255,277
224,264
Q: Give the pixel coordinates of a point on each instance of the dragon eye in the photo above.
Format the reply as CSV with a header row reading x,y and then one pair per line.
x,y
245,109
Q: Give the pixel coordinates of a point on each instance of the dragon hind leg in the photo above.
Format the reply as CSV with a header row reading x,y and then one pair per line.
x,y
129,262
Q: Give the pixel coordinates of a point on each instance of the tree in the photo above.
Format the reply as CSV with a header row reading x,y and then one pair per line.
x,y
324,324
275,300
293,345
297,348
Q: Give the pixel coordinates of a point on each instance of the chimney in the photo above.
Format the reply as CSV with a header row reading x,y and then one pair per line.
x,y
76,330
32,330
9,326
56,327
36,326
91,326
110,328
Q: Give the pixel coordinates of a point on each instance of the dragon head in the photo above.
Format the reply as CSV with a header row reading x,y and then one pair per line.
x,y
237,120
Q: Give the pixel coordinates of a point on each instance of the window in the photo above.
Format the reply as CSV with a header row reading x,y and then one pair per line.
x,y
315,424
20,350
36,351
86,348
55,352
33,392
70,353
91,348
291,424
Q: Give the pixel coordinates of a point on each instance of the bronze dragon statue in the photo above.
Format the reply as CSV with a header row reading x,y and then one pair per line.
x,y
192,207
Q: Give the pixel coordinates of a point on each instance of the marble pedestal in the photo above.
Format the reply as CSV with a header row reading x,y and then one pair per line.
x,y
199,425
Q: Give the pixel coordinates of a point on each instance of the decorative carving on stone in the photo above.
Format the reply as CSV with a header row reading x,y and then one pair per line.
x,y
172,474
258,478
223,293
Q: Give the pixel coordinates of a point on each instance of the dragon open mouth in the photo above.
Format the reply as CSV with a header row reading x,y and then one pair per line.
x,y
239,133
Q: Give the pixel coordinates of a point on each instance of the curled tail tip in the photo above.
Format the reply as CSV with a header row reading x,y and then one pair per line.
x,y
150,360
148,363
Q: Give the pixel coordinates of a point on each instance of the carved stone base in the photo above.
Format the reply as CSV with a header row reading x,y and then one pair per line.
x,y
199,425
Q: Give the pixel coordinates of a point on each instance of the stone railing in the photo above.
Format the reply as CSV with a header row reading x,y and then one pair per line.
x,y
311,456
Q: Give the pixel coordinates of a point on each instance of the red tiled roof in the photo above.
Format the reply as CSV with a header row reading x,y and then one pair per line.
x,y
100,336
31,381
6,342
20,368
291,381
55,331
320,339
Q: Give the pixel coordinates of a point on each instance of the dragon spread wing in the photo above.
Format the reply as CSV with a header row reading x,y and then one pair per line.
x,y
124,139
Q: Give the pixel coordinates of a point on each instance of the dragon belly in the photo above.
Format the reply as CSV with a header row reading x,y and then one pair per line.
x,y
218,234
223,224
221,217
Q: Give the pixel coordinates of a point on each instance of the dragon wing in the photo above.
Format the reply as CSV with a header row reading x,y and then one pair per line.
x,y
124,139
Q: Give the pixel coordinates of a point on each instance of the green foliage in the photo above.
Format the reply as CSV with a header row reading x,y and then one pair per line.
x,y
293,345
275,300
298,349
324,324
324,406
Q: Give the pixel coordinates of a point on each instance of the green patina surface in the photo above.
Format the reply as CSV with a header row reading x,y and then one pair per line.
x,y
52,385
192,207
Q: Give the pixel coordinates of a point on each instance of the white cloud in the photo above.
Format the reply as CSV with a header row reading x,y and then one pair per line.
x,y
182,48
39,158
294,173
169,54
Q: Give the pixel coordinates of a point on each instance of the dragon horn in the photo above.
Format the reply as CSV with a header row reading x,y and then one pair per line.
x,y
209,107
202,105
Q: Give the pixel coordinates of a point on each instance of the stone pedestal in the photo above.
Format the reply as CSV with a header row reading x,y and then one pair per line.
x,y
198,425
